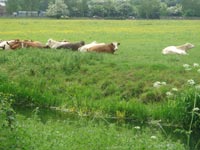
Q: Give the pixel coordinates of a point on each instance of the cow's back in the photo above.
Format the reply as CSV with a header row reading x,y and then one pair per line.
x,y
101,48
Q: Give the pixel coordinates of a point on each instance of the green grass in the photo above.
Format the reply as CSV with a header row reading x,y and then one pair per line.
x,y
72,135
100,85
89,82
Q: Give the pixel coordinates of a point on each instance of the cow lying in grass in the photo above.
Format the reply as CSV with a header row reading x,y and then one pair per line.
x,y
5,44
72,46
55,44
104,48
87,46
182,49
25,44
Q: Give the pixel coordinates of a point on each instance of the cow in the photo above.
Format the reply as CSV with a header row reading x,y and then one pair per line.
x,y
25,44
54,44
5,44
106,48
87,46
72,46
182,49
33,44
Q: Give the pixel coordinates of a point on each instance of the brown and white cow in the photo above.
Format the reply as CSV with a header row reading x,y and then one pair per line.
x,y
85,47
25,44
106,48
5,44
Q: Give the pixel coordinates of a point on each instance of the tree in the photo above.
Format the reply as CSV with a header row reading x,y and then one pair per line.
x,y
26,5
163,9
12,6
97,10
29,5
175,10
43,5
125,9
149,9
57,9
78,8
191,7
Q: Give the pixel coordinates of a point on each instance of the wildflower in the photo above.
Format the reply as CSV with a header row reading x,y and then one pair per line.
x,y
157,84
186,65
174,89
163,83
169,94
198,70
191,82
188,69
153,137
196,65
196,109
137,127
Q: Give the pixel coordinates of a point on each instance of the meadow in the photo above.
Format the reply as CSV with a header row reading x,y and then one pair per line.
x,y
119,86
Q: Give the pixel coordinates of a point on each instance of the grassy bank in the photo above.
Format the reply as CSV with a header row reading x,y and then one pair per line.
x,y
119,85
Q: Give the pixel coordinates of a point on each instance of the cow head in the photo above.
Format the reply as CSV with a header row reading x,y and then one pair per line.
x,y
3,47
189,45
82,42
49,42
115,44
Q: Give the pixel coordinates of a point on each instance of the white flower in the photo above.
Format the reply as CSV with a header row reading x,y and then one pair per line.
x,y
191,82
186,65
163,83
174,89
157,84
196,109
137,127
153,137
198,70
169,94
188,69
196,65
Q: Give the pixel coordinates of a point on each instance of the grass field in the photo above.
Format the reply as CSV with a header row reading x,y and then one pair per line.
x,y
119,85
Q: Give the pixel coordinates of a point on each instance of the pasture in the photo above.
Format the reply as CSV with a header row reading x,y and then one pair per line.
x,y
119,86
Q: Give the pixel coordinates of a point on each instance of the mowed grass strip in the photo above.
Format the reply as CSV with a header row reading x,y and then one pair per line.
x,y
119,85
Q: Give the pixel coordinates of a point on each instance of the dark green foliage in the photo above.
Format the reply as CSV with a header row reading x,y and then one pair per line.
x,y
149,9
7,114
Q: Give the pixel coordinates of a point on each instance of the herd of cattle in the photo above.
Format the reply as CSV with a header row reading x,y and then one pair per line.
x,y
75,46
82,47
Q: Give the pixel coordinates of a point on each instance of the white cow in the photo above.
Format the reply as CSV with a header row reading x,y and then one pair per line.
x,y
55,44
182,49
87,46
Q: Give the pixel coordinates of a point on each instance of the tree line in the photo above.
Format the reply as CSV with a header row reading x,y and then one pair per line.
x,y
149,9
